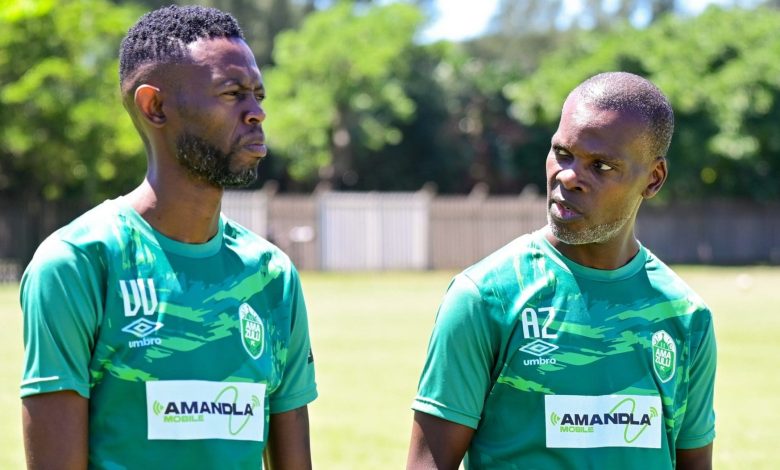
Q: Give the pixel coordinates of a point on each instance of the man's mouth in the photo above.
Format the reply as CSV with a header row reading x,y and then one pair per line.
x,y
255,145
562,210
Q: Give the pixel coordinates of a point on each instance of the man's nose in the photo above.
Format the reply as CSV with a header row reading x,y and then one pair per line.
x,y
255,114
569,175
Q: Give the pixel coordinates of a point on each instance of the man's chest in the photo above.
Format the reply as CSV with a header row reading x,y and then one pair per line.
x,y
166,323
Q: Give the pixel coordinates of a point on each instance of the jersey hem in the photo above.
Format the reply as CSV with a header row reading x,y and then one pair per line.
x,y
297,401
696,442
444,413
38,388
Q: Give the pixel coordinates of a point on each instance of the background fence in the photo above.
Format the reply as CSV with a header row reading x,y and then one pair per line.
x,y
419,230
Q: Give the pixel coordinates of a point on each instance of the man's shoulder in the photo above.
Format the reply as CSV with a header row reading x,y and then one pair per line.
x,y
96,226
78,246
502,267
691,315
252,246
671,286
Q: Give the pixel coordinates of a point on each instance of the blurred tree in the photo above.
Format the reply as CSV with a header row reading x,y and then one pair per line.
x,y
523,17
509,156
429,151
724,87
63,131
385,113
338,85
455,137
477,117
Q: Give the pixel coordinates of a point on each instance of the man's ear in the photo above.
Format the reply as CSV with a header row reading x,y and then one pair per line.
x,y
657,178
148,101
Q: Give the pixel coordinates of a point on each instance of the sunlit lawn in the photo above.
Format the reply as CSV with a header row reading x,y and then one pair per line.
x,y
370,331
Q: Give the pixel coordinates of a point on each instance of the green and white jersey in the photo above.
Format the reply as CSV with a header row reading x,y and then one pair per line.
x,y
557,365
182,350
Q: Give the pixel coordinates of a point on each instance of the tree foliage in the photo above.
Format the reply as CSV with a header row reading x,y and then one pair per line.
x,y
724,87
63,131
337,84
521,17
353,99
263,20
459,134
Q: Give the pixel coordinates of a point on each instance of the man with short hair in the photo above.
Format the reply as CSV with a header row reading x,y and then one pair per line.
x,y
158,332
574,346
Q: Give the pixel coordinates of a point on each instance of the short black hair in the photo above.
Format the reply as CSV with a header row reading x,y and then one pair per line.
x,y
623,91
162,36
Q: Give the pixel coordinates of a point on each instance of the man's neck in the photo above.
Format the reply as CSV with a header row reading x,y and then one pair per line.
x,y
611,254
185,212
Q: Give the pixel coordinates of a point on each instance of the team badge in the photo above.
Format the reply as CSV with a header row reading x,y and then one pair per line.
x,y
252,331
664,355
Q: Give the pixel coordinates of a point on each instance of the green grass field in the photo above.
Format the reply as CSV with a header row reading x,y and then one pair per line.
x,y
370,332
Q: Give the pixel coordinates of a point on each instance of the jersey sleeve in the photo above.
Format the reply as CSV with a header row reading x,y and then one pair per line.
x,y
60,302
456,376
698,427
298,386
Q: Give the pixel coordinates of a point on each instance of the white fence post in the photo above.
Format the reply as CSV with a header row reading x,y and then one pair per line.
x,y
374,231
248,208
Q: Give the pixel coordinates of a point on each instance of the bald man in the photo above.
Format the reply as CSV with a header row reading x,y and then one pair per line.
x,y
574,346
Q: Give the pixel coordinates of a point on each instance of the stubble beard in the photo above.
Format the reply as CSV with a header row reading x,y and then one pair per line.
x,y
594,234
208,163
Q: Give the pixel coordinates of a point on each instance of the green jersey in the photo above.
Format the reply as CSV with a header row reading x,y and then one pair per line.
x,y
557,365
183,350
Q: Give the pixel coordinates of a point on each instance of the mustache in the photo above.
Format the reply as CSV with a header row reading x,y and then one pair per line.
x,y
252,138
557,196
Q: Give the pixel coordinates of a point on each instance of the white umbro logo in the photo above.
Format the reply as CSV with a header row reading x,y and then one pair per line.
x,y
142,327
539,348
538,323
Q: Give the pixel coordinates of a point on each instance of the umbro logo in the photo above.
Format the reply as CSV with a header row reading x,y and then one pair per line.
x,y
539,324
539,348
140,294
142,327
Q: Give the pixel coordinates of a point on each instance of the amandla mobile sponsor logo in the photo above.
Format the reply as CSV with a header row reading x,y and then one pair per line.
x,y
584,422
178,412
196,409
603,421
